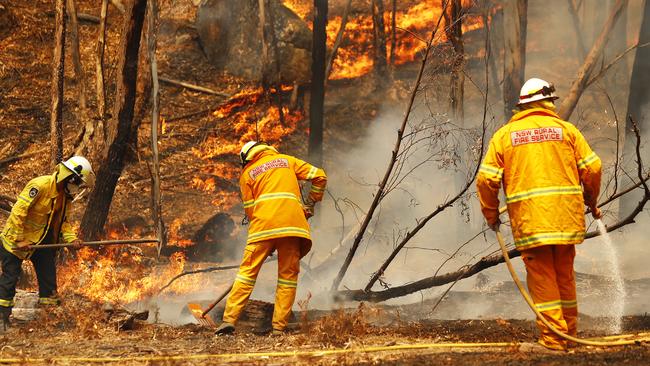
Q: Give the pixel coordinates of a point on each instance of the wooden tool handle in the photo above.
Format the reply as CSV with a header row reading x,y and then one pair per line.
x,y
224,294
93,243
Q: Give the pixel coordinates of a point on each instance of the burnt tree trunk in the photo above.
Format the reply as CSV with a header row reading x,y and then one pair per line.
x,y
76,56
270,58
380,63
454,33
317,98
637,102
99,61
152,25
514,30
99,202
56,116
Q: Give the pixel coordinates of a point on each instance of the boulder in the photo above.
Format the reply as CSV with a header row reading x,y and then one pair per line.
x,y
230,37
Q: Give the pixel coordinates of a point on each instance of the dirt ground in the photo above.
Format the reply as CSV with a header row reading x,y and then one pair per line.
x,y
76,333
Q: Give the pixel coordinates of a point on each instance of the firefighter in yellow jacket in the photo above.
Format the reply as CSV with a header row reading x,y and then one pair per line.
x,y
549,174
40,216
278,221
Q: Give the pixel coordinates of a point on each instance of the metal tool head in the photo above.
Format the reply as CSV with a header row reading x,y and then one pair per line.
x,y
197,312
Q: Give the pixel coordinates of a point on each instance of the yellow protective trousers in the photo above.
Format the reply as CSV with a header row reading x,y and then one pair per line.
x,y
551,282
288,249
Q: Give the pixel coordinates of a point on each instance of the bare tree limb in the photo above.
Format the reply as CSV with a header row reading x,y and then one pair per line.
x,y
577,88
339,38
462,192
391,164
192,87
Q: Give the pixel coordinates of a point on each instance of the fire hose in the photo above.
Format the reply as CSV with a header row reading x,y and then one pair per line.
x,y
539,315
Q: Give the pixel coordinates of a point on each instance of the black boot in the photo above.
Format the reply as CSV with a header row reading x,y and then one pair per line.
x,y
4,319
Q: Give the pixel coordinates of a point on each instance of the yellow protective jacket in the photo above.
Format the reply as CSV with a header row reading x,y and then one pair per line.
x,y
32,215
542,161
272,199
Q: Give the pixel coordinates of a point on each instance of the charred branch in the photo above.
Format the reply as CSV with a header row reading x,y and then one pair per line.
x,y
396,149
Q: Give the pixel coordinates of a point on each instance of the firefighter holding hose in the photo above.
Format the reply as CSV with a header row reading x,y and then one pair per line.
x,y
40,216
549,174
278,221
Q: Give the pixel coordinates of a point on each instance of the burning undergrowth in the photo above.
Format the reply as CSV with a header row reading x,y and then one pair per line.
x,y
413,20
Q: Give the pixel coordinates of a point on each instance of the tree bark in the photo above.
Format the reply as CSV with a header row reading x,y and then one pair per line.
x,y
339,38
76,57
379,28
152,25
317,98
99,62
515,22
56,114
120,130
578,87
454,31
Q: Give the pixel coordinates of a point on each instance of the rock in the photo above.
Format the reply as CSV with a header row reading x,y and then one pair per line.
x,y
230,36
26,306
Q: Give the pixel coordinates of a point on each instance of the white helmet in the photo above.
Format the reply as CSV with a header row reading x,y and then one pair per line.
x,y
536,89
243,154
80,167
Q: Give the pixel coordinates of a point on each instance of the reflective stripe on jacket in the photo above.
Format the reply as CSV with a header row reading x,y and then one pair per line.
x,y
549,173
32,215
272,199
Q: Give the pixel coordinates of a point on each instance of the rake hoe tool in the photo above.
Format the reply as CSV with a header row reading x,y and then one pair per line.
x,y
92,243
202,315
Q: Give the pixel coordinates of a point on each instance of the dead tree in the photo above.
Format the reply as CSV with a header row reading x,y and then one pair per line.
x,y
76,57
152,26
99,61
379,194
339,38
454,33
514,24
317,98
421,223
380,62
120,129
578,87
270,57
56,116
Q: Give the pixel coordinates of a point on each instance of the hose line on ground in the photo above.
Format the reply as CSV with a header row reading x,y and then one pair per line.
x,y
539,315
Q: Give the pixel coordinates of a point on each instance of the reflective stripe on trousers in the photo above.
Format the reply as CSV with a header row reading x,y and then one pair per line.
x,y
288,268
551,283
